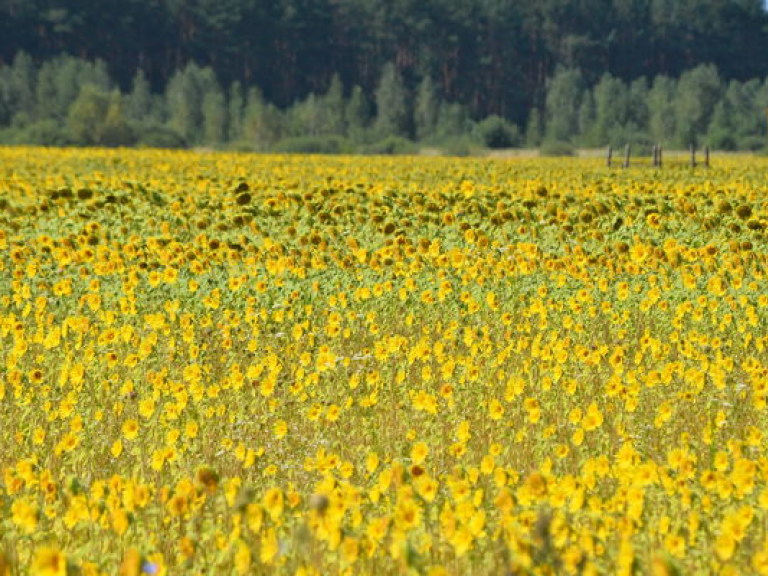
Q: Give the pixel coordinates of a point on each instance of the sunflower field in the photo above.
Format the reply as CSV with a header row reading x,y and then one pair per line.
x,y
217,363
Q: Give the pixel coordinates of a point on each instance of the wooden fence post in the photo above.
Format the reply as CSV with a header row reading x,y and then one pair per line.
x,y
626,155
659,153
610,154
706,156
693,156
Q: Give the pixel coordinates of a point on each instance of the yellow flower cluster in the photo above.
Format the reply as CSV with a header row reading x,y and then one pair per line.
x,y
223,363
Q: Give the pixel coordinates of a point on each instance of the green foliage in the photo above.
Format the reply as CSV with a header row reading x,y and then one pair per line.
x,y
263,122
214,117
490,56
556,148
235,112
661,109
328,144
59,82
638,113
698,92
357,114
534,131
139,103
17,89
722,139
68,100
391,104
47,132
160,136
333,108
425,110
752,143
96,118
611,100
565,93
391,145
185,96
736,120
318,115
586,121
452,120
459,146
495,132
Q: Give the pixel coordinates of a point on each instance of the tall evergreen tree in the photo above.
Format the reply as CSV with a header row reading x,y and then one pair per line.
x,y
185,96
60,80
564,97
587,128
87,115
214,117
391,103
661,110
263,125
357,114
138,105
452,121
333,104
697,94
534,129
235,112
23,78
426,109
611,110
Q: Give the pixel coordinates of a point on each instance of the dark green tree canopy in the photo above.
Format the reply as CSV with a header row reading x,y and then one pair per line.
x,y
369,74
493,56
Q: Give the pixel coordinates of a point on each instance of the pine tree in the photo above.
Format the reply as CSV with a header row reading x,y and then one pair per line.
x,y
115,130
564,97
235,112
661,110
214,117
138,104
426,109
23,78
357,115
87,114
185,95
611,110
333,104
391,104
697,94
263,122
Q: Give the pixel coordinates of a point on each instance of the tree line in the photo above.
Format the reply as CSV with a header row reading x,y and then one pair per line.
x,y
72,101
492,56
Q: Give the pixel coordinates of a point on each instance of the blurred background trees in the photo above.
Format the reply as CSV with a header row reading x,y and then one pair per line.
x,y
371,74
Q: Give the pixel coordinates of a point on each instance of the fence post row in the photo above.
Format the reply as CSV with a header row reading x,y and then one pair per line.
x,y
657,155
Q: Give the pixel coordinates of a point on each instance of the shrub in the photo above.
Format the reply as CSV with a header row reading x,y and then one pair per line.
x,y
241,146
312,145
752,143
459,146
44,133
495,133
556,148
390,145
157,136
723,140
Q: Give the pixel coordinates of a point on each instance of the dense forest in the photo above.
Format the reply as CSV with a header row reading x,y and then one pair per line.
x,y
374,74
